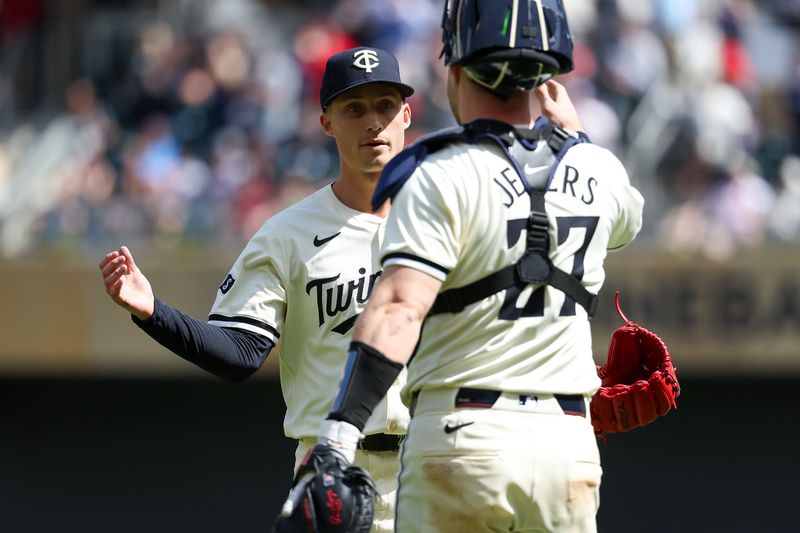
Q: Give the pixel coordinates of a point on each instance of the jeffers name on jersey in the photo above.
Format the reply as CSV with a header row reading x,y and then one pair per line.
x,y
564,182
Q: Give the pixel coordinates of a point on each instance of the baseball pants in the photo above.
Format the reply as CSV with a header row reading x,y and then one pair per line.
x,y
383,468
519,464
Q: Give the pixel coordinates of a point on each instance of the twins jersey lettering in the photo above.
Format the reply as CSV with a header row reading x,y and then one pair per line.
x,y
301,281
462,216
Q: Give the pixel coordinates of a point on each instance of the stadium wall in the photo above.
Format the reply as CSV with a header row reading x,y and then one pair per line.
x,y
735,318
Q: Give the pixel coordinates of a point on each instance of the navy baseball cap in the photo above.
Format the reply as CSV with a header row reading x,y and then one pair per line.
x,y
358,66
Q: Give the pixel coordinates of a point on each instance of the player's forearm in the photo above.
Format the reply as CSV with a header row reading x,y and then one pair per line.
x,y
230,354
391,328
368,374
392,321
383,341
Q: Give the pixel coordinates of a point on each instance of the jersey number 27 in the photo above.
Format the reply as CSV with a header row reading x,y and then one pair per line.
x,y
535,304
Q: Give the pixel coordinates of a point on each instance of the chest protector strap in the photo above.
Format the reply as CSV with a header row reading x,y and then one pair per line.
x,y
520,147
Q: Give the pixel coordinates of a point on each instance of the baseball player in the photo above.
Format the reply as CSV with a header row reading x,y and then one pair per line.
x,y
496,242
305,275
308,272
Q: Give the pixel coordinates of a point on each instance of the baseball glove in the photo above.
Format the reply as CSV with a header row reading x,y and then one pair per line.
x,y
329,496
638,380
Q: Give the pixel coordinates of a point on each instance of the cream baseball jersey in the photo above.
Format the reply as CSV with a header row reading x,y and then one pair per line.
x,y
301,281
461,216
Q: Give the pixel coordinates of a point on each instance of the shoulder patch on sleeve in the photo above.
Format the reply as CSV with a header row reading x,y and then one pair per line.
x,y
227,284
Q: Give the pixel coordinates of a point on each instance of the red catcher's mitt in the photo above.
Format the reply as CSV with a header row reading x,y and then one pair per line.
x,y
638,380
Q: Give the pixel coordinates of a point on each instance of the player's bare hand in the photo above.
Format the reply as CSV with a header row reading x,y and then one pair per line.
x,y
126,284
557,105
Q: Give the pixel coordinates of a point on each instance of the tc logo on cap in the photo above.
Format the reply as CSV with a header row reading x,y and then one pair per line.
x,y
366,59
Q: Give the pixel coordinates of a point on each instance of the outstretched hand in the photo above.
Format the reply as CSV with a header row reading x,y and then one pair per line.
x,y
126,284
557,105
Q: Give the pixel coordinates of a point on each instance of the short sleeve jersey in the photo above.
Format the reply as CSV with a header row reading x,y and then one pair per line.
x,y
461,216
301,281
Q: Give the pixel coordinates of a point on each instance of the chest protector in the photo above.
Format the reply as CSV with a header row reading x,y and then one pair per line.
x,y
520,148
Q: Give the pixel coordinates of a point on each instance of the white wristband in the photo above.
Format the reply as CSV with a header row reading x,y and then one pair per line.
x,y
341,435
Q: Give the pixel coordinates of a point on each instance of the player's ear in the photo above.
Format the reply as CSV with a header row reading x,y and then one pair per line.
x,y
454,72
325,122
406,115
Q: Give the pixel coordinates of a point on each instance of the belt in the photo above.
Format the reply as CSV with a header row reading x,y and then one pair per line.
x,y
380,442
465,397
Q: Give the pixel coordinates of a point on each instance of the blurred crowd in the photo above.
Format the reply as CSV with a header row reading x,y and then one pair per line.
x,y
190,125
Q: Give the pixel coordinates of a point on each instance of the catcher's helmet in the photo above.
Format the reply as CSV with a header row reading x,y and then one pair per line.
x,y
507,45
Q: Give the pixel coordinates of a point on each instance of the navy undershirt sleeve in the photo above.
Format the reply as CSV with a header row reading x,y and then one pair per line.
x,y
232,354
